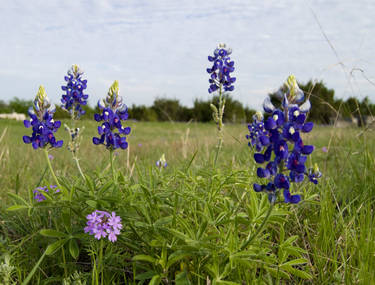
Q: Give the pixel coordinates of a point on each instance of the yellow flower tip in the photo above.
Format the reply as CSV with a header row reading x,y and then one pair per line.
x,y
259,116
114,90
162,159
316,168
41,95
291,84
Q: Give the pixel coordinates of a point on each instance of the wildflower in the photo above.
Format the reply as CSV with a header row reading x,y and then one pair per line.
x,y
258,134
39,191
221,69
162,162
42,122
74,98
280,135
102,224
113,111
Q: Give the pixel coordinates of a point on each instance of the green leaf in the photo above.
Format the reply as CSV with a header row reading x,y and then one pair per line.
x,y
90,183
155,280
92,203
143,257
53,247
73,248
175,257
66,220
295,262
182,279
52,233
18,198
17,207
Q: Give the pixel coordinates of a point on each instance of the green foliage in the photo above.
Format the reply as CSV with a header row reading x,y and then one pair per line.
x,y
187,223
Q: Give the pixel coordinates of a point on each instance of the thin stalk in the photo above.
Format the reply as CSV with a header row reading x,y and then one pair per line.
x,y
251,238
112,168
51,169
220,125
41,177
79,167
101,261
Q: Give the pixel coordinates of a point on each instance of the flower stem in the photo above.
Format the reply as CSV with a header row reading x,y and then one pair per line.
x,y
79,167
101,261
220,125
251,238
51,169
112,168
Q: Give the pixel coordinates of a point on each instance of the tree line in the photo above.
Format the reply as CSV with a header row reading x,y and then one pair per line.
x,y
325,108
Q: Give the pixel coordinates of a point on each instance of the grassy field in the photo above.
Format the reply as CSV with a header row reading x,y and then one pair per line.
x,y
196,213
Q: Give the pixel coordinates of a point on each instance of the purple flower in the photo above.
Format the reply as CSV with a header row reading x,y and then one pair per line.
x,y
74,98
222,67
42,123
278,143
162,162
102,224
39,191
113,111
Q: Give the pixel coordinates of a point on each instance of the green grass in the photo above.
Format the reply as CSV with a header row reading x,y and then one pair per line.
x,y
195,216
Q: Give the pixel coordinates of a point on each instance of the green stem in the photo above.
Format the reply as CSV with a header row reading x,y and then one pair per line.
x,y
51,169
251,238
41,177
101,261
220,125
79,167
112,168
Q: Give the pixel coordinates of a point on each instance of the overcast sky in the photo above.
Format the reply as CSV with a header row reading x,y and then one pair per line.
x,y
159,48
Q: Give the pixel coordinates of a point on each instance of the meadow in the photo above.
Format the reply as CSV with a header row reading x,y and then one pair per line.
x,y
186,223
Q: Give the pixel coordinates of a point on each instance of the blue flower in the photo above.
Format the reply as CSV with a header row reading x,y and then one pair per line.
x,y
221,69
113,112
74,98
42,123
278,143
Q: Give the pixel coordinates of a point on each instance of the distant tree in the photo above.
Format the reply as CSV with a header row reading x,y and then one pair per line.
x,y
19,105
4,108
167,109
202,111
142,113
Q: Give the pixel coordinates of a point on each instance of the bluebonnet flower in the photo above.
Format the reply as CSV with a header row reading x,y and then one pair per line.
x,y
39,191
221,69
42,123
102,224
74,98
258,134
278,143
162,162
113,111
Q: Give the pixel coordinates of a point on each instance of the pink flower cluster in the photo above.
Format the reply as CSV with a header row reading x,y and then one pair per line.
x,y
102,224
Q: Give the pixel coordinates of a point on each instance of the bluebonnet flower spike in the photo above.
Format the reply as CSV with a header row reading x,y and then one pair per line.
x,y
113,111
280,134
42,123
74,97
221,69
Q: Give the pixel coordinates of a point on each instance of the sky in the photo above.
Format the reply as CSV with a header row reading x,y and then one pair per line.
x,y
160,48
